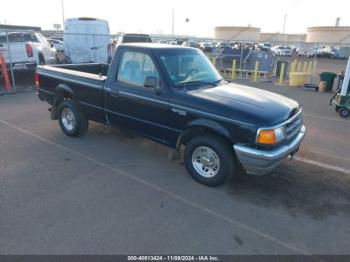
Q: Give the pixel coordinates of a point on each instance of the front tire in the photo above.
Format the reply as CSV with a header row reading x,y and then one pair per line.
x,y
344,112
71,120
209,160
41,59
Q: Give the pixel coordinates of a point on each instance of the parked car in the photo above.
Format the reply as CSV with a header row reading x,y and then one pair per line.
x,y
175,96
58,44
189,44
309,52
206,47
28,49
264,46
332,52
221,45
280,50
133,38
86,40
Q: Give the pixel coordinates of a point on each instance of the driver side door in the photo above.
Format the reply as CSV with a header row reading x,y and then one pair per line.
x,y
132,105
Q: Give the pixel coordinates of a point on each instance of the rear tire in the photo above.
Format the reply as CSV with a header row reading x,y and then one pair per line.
x,y
71,120
209,160
41,59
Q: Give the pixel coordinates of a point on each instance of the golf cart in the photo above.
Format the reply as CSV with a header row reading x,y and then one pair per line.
x,y
341,100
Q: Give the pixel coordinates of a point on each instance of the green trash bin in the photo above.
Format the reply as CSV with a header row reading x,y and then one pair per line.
x,y
328,77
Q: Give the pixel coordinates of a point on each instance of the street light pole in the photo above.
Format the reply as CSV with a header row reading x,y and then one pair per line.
x,y
284,23
173,21
62,2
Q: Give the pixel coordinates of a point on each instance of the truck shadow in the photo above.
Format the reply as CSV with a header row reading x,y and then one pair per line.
x,y
298,188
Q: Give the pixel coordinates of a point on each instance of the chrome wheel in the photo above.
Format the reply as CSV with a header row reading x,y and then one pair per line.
x,y
205,161
68,119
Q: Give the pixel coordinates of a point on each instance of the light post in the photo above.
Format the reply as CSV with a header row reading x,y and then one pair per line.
x,y
62,4
172,24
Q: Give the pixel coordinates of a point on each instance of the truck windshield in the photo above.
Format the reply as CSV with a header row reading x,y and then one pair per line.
x,y
189,67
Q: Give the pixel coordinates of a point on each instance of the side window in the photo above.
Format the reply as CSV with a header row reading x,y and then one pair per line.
x,y
135,67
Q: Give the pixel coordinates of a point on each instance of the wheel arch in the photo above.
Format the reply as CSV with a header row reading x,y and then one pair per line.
x,y
62,92
201,127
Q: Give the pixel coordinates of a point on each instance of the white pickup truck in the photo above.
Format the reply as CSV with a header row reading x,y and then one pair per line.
x,y
28,49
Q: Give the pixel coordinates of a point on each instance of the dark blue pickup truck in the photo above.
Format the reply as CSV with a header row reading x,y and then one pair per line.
x,y
173,95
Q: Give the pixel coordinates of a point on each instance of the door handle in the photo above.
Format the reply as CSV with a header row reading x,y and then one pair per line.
x,y
114,93
179,111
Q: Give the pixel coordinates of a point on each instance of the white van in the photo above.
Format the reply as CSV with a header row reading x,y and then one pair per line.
x,y
86,40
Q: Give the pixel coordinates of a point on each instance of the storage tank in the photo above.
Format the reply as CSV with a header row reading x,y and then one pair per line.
x,y
282,38
329,34
237,33
296,38
273,37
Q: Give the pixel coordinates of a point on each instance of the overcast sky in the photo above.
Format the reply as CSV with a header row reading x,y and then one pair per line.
x,y
154,16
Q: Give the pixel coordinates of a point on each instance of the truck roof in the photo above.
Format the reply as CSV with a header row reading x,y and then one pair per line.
x,y
156,46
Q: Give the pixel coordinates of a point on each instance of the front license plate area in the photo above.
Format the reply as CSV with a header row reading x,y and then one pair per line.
x,y
293,153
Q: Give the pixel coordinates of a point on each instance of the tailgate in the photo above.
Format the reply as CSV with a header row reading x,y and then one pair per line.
x,y
18,52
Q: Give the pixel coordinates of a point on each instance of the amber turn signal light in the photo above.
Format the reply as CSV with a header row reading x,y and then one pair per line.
x,y
267,137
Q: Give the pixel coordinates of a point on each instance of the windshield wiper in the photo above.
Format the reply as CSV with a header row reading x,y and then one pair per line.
x,y
199,82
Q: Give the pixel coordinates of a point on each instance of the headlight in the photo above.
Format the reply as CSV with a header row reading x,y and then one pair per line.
x,y
271,136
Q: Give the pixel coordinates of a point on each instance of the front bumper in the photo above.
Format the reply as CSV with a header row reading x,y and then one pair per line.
x,y
261,162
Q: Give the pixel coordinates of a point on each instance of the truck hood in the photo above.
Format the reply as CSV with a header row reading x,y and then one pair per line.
x,y
249,104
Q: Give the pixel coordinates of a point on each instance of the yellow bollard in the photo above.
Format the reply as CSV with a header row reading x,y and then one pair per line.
x,y
233,75
305,67
255,78
299,67
214,61
283,66
275,69
292,69
315,67
310,67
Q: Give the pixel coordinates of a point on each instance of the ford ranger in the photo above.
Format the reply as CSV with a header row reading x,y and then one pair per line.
x,y
175,96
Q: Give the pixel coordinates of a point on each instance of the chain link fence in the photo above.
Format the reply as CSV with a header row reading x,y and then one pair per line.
x,y
279,62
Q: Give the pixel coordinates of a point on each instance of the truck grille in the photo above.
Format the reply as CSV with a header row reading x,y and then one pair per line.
x,y
293,127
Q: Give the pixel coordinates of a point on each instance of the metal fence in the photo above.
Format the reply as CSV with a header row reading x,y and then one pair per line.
x,y
278,62
6,61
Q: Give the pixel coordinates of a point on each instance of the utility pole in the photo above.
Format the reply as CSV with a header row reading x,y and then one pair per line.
x,y
284,23
173,22
62,3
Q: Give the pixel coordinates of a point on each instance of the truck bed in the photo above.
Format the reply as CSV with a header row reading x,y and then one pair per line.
x,y
85,81
78,76
93,68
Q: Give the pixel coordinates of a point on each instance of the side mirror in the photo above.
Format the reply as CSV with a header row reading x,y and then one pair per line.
x,y
151,82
